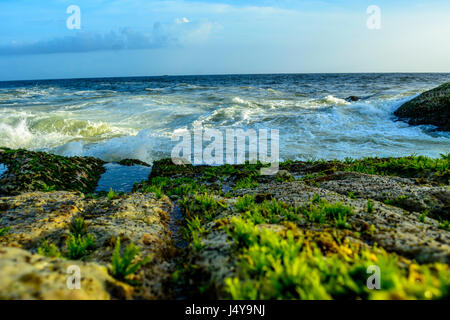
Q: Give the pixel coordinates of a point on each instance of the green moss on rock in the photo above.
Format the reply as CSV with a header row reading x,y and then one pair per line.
x,y
38,171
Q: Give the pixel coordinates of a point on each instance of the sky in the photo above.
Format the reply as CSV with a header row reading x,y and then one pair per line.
x,y
119,38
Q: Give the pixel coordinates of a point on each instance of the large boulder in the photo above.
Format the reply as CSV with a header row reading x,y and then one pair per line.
x,y
431,107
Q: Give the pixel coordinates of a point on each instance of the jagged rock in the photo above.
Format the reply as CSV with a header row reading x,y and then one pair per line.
x,y
431,107
352,99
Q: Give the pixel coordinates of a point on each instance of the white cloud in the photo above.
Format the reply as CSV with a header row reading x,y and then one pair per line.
x,y
182,20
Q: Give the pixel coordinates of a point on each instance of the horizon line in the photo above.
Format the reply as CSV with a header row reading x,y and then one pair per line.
x,y
222,74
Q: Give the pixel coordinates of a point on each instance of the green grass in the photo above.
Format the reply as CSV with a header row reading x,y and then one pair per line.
x,y
413,166
122,264
318,211
369,206
423,215
47,188
78,227
245,203
444,224
246,183
283,266
266,212
157,190
321,211
177,186
203,205
193,232
48,249
111,194
4,231
79,246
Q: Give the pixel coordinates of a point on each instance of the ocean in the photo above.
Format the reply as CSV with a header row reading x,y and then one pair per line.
x,y
118,118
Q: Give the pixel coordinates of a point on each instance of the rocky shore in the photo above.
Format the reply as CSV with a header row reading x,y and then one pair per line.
x,y
431,107
309,232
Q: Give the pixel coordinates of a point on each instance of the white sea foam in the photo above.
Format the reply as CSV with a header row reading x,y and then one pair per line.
x,y
145,146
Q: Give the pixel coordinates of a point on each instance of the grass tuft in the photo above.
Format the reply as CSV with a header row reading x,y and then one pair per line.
x,y
79,246
122,265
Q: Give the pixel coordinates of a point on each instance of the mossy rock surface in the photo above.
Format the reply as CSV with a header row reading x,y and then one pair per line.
x,y
40,171
431,107
133,162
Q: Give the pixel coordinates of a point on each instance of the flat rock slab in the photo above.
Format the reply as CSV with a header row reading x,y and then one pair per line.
x,y
401,192
136,218
396,230
28,276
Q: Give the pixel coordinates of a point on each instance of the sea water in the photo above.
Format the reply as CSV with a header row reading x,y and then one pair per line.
x,y
118,118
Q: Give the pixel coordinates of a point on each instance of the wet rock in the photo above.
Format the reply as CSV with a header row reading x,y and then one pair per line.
x,y
352,99
431,107
284,175
133,162
39,171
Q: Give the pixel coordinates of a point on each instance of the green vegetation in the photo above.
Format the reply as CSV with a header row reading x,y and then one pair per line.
x,y
246,183
202,205
444,224
413,166
321,211
78,227
4,231
47,188
245,203
111,194
369,206
79,246
48,249
122,265
423,215
351,195
283,266
318,211
177,186
198,210
40,171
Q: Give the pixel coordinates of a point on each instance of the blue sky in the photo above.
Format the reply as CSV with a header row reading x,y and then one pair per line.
x,y
155,37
